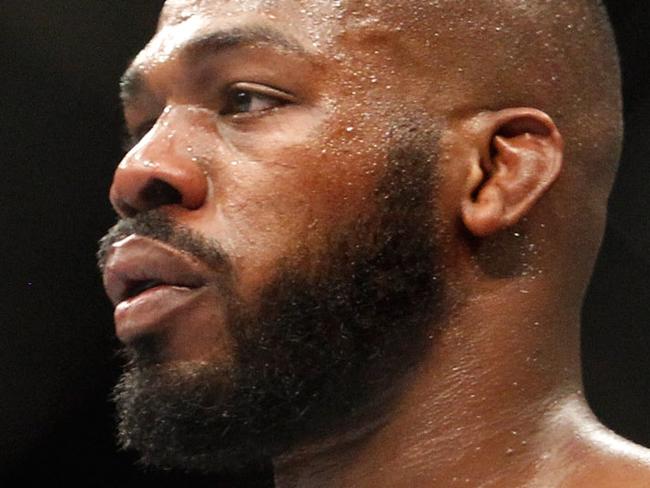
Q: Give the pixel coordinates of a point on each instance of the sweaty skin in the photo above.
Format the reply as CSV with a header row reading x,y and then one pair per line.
x,y
267,126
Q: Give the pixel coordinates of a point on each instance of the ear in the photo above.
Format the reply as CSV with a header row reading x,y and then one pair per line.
x,y
518,156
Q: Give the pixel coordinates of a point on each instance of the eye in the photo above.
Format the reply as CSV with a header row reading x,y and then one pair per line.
x,y
252,99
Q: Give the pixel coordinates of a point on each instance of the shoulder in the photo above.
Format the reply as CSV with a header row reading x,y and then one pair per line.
x,y
581,452
609,460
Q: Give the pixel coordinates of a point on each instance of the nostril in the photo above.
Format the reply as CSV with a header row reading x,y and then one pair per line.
x,y
125,209
158,193
170,182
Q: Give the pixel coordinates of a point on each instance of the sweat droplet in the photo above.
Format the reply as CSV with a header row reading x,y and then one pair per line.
x,y
349,129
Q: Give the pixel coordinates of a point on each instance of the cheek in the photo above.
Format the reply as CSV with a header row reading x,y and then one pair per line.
x,y
286,202
282,185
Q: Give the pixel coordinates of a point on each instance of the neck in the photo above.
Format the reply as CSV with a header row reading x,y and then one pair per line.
x,y
472,410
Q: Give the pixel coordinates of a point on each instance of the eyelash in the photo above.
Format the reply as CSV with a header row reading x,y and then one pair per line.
x,y
228,102
278,98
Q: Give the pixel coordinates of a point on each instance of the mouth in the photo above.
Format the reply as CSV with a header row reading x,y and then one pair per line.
x,y
126,285
137,264
136,287
148,281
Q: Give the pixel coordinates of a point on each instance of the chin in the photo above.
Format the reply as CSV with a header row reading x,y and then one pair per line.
x,y
183,414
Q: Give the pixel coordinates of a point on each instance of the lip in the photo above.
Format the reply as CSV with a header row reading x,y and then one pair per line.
x,y
149,281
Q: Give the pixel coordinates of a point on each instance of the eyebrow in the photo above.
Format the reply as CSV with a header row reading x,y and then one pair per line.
x,y
133,83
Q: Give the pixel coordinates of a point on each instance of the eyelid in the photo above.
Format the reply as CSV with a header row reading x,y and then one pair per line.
x,y
265,90
134,136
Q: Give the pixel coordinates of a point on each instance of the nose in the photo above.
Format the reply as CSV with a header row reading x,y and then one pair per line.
x,y
159,171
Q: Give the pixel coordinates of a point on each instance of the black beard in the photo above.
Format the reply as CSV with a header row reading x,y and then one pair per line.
x,y
315,357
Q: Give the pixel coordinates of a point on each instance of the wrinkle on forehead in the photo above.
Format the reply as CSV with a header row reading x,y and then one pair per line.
x,y
322,21
313,21
177,11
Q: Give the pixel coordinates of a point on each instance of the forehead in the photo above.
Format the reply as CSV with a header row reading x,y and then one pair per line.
x,y
179,10
317,26
384,43
306,18
317,21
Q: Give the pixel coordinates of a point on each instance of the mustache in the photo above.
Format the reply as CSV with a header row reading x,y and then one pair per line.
x,y
155,224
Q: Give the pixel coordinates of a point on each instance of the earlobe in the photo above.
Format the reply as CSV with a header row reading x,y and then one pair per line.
x,y
519,158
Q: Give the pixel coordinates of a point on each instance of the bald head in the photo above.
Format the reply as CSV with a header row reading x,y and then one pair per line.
x,y
444,60
398,64
558,56
350,162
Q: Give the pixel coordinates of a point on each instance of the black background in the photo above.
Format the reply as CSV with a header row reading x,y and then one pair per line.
x,y
60,129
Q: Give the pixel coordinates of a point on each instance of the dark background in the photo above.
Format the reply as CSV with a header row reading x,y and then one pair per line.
x,y
60,129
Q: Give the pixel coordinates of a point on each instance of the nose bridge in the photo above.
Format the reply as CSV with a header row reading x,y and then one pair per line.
x,y
160,170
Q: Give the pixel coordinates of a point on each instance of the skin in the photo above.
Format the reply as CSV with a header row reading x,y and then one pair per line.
x,y
498,399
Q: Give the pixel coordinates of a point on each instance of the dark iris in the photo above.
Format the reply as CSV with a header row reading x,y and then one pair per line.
x,y
242,101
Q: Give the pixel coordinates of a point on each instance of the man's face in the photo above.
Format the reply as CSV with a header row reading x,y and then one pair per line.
x,y
275,263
